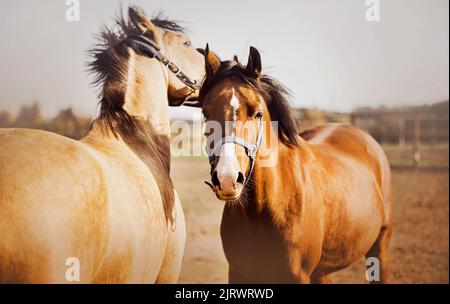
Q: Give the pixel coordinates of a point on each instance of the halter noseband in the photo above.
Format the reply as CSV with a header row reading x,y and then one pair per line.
x,y
153,51
250,149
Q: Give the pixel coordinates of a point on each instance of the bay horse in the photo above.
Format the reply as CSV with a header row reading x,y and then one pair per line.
x,y
321,205
106,200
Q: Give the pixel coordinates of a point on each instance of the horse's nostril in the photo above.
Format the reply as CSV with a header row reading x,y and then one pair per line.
x,y
240,178
215,179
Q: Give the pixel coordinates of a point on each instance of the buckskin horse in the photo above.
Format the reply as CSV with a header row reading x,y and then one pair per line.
x,y
107,199
323,204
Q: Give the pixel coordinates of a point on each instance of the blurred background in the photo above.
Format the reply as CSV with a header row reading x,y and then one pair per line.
x,y
389,77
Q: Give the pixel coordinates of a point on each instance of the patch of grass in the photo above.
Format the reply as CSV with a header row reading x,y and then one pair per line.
x,y
426,164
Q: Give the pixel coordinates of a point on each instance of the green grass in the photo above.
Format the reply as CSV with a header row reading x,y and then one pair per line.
x,y
425,164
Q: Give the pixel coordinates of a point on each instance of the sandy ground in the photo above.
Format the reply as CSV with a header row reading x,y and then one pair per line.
x,y
418,251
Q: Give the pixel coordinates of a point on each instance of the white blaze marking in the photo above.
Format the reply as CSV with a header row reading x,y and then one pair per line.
x,y
228,166
228,150
234,102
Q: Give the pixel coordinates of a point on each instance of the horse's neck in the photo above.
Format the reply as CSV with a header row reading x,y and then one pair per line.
x,y
276,187
146,129
146,93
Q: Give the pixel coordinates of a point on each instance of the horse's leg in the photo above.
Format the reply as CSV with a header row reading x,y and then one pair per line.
x,y
321,279
236,275
379,250
233,276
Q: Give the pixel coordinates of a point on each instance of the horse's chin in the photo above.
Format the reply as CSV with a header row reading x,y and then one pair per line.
x,y
229,197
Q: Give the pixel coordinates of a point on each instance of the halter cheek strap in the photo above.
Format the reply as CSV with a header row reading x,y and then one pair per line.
x,y
251,149
153,51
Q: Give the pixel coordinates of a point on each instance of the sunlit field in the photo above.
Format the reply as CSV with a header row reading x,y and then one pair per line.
x,y
419,248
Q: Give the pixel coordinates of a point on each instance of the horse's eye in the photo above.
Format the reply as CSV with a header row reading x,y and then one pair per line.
x,y
188,43
259,115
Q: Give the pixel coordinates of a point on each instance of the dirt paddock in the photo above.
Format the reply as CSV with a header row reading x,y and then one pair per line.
x,y
418,251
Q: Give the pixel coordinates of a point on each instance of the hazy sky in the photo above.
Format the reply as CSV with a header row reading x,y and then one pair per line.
x,y
323,50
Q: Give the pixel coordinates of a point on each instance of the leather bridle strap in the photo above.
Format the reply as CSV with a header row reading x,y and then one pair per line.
x,y
153,51
251,149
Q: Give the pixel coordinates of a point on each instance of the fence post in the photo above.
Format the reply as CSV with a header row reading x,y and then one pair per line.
x,y
416,142
354,120
401,131
434,134
381,120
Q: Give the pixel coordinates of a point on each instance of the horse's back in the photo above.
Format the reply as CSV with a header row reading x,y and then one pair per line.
x,y
92,200
52,207
354,143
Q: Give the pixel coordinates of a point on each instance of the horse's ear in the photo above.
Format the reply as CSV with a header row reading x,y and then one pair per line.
x,y
235,58
254,62
212,62
141,21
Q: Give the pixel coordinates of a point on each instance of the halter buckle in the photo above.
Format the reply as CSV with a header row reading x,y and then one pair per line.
x,y
251,151
173,68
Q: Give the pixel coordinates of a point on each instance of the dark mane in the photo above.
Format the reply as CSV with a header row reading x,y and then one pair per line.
x,y
274,93
109,64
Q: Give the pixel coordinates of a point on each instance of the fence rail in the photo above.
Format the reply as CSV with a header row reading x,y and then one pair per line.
x,y
405,128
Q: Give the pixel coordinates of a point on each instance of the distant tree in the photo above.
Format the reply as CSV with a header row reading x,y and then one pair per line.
x,y
68,124
310,118
6,119
30,117
65,122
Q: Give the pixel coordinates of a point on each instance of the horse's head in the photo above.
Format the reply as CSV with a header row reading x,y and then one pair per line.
x,y
141,66
239,104
171,42
234,110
